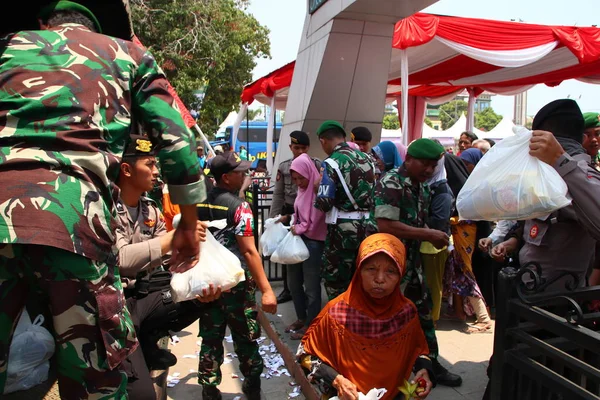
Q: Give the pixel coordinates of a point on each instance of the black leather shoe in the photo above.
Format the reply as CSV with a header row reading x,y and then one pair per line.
x,y
251,389
445,377
211,393
284,297
160,359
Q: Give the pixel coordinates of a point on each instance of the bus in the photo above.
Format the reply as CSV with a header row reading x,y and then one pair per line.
x,y
252,136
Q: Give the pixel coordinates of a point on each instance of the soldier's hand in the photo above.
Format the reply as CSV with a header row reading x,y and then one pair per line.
x,y
545,147
269,302
201,227
438,238
209,295
186,241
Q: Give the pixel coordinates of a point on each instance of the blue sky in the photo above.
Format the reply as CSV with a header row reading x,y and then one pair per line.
x,y
285,19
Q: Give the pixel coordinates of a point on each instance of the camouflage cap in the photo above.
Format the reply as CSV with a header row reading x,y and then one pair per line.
x,y
425,149
139,146
65,5
328,125
592,120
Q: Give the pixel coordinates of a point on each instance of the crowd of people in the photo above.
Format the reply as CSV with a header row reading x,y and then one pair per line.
x,y
89,229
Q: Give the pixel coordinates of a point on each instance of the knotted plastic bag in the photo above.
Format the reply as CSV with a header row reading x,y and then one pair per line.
x,y
291,250
374,394
273,234
510,184
31,348
217,266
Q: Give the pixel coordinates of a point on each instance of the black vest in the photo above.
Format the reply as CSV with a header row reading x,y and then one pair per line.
x,y
220,204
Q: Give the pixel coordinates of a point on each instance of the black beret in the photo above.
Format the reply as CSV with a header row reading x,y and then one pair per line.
x,y
561,117
361,133
299,137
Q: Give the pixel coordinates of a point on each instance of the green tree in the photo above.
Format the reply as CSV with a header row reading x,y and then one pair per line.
x,y
210,44
254,114
428,122
390,121
487,119
450,112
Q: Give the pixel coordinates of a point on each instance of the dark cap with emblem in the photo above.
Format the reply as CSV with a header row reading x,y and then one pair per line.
x,y
228,162
330,125
362,134
139,146
64,5
561,117
425,149
299,137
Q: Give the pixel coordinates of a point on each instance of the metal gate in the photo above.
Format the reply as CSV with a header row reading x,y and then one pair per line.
x,y
546,347
262,196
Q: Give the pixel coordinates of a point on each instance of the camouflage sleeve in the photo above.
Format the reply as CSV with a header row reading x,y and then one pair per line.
x,y
387,200
157,110
327,203
278,196
143,256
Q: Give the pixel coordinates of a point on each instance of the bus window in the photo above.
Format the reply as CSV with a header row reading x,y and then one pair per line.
x,y
257,135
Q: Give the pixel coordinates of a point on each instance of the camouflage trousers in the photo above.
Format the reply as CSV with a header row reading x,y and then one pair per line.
x,y
339,255
236,309
92,327
415,289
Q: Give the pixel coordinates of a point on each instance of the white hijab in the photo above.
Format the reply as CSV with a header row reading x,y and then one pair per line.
x,y
439,174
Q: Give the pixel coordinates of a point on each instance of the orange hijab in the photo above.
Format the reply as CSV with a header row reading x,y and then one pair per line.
x,y
373,343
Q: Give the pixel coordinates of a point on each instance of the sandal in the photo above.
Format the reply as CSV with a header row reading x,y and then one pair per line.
x,y
297,335
295,326
479,328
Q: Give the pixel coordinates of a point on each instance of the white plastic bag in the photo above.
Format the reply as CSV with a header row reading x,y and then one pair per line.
x,y
271,237
510,184
31,348
291,250
374,394
217,265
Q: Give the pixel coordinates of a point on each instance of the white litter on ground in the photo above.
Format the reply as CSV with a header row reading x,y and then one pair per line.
x,y
172,380
295,393
235,376
228,339
189,356
237,398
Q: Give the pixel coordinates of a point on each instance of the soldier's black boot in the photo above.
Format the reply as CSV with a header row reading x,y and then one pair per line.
x,y
251,388
211,393
445,377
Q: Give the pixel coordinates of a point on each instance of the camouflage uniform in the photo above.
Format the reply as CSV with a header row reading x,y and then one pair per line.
x,y
236,308
67,101
344,237
397,198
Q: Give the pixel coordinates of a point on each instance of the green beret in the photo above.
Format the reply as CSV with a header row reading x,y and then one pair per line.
x,y
592,120
425,149
327,125
65,5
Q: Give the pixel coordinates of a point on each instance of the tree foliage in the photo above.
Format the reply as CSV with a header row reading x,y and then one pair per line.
x,y
487,119
451,111
428,122
390,121
203,45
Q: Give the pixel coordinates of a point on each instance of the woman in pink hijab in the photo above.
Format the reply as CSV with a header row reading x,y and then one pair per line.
x,y
304,280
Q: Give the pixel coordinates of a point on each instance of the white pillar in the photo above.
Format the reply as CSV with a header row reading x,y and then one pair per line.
x,y
236,125
270,133
471,111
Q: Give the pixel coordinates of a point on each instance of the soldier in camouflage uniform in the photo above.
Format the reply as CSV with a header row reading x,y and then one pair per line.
x,y
235,308
66,103
402,200
362,136
284,194
348,220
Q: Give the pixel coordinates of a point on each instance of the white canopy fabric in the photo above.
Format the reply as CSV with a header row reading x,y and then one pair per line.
x,y
503,130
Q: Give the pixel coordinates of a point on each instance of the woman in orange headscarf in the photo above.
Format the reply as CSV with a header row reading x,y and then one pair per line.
x,y
369,337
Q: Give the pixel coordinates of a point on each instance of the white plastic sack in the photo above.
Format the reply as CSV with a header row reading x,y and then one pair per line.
x,y
291,250
509,184
217,265
31,348
374,394
271,237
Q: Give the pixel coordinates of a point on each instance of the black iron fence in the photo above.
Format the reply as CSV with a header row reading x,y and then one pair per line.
x,y
546,346
262,196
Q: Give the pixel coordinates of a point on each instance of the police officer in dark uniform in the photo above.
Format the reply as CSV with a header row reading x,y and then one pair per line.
x,y
284,193
144,245
362,136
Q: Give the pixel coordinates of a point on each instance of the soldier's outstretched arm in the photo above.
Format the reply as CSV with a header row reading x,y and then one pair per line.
x,y
254,262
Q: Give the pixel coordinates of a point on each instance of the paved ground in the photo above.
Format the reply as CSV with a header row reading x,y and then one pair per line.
x,y
464,354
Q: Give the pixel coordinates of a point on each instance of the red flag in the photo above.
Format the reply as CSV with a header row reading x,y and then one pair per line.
x,y
187,117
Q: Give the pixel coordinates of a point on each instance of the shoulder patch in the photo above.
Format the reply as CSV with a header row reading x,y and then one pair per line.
x,y
278,175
